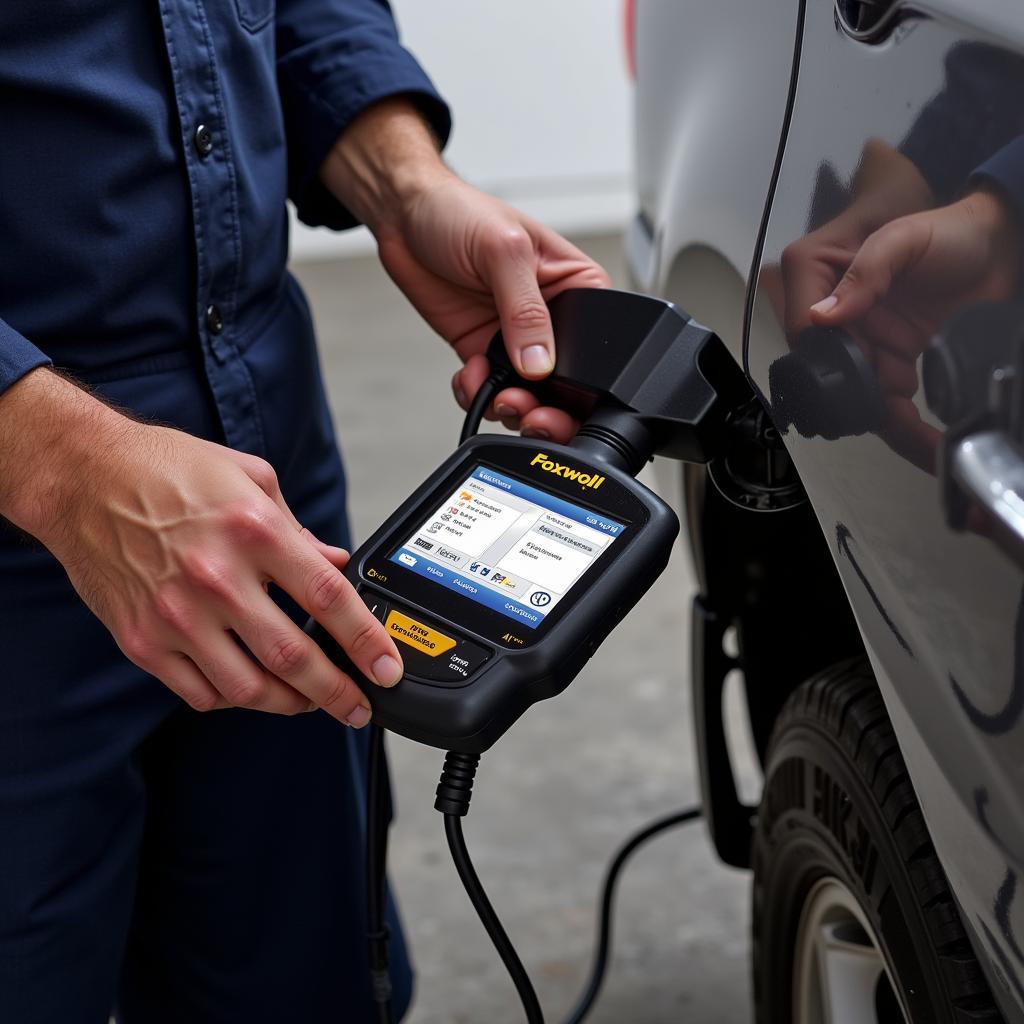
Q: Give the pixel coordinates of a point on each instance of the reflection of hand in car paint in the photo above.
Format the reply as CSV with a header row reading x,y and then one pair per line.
x,y
906,280
886,185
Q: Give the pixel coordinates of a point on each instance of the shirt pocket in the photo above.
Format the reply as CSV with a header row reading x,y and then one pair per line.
x,y
255,14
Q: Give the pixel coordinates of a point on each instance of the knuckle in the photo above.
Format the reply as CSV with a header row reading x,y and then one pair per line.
x,y
878,245
510,241
341,694
364,635
244,691
251,523
137,646
264,474
208,573
857,275
202,701
288,656
172,610
328,590
530,313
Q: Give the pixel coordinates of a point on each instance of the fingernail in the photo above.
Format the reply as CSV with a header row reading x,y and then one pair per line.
x,y
538,432
504,411
826,304
359,717
387,670
537,359
460,395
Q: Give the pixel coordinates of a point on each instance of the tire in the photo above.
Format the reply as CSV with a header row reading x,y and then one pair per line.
x,y
842,860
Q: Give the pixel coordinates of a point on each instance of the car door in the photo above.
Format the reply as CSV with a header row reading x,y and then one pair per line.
x,y
896,108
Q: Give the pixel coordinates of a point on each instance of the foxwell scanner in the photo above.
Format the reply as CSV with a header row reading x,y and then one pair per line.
x,y
505,570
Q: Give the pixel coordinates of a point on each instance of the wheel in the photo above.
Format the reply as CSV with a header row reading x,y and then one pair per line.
x,y
853,919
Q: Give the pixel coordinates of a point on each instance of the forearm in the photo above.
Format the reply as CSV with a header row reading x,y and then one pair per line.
x,y
50,431
385,158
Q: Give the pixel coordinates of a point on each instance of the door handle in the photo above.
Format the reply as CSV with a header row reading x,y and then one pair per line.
x,y
974,383
988,469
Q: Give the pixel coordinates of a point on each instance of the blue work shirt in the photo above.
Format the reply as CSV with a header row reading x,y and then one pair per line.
x,y
149,146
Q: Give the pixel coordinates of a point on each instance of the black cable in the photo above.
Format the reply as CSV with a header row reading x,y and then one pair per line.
x,y
482,399
606,917
454,792
378,935
490,920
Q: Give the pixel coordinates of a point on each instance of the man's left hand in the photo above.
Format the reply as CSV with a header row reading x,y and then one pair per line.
x,y
468,262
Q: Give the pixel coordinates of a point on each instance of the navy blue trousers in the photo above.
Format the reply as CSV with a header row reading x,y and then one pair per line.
x,y
154,862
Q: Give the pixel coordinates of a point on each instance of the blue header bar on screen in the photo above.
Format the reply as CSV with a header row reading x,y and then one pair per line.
x,y
549,501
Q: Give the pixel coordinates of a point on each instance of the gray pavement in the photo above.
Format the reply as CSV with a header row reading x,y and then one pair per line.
x,y
558,793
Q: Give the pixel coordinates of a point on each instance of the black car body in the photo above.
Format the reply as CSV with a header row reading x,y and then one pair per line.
x,y
891,536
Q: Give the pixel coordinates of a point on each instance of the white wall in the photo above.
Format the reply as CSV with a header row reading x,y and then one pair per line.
x,y
542,107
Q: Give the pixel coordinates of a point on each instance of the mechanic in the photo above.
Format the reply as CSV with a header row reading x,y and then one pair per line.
x,y
176,499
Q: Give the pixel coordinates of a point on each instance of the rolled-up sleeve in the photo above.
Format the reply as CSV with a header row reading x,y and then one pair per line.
x,y
17,356
1005,170
334,59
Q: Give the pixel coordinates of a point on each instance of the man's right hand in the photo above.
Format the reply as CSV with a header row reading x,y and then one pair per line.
x,y
172,542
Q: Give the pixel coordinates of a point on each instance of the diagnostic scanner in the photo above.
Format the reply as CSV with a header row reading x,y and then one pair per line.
x,y
505,570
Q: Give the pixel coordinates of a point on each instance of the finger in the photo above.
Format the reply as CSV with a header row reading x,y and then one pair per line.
x,y
330,598
510,270
338,557
811,268
512,404
870,276
179,674
890,329
291,656
908,435
238,679
545,423
468,381
896,376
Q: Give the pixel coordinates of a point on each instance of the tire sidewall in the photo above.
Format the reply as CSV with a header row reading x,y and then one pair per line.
x,y
820,819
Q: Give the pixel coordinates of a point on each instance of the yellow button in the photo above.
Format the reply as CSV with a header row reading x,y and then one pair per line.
x,y
415,634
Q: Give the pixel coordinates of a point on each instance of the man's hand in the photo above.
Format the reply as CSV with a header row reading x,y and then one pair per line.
x,y
172,541
468,262
906,281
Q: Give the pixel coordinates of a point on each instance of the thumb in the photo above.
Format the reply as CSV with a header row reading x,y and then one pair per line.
x,y
869,278
524,317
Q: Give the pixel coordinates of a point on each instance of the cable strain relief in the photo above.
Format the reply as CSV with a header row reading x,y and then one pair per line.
x,y
617,437
455,788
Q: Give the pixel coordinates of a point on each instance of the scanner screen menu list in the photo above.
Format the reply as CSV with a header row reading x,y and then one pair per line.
x,y
507,545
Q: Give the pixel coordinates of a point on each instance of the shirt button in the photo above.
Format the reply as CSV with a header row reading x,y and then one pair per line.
x,y
214,319
203,139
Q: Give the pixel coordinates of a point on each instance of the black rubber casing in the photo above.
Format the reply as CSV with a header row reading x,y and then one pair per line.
x,y
538,663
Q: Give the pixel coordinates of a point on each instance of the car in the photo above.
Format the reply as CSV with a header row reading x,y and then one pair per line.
x,y
859,545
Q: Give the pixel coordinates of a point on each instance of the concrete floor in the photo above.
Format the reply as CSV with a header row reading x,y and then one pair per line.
x,y
558,793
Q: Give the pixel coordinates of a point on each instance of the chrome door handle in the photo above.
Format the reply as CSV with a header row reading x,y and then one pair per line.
x,y
974,384
989,469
